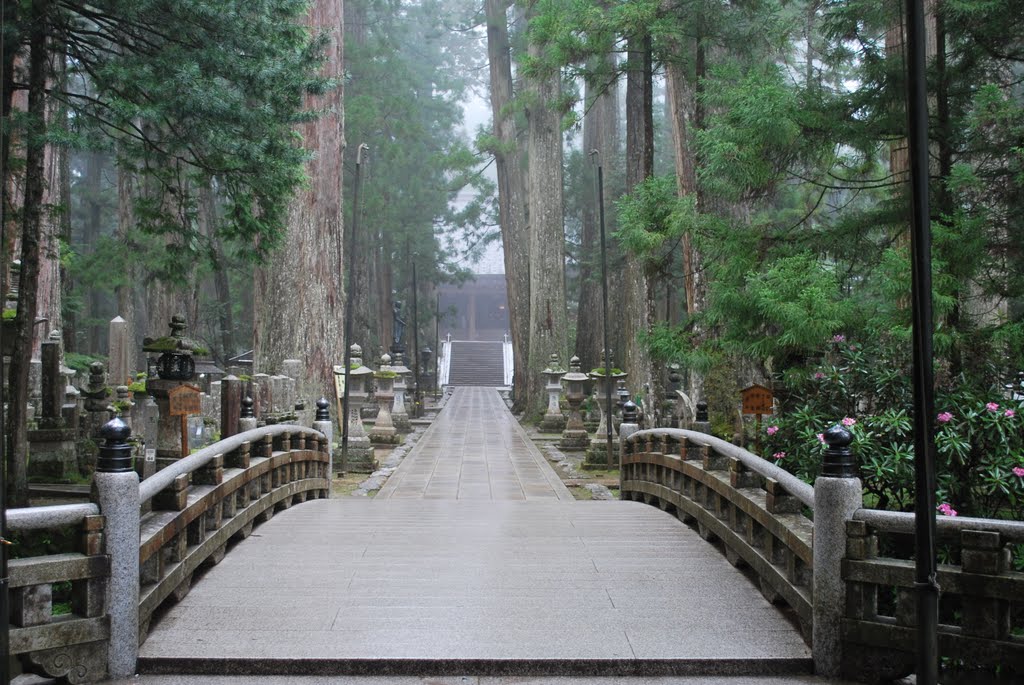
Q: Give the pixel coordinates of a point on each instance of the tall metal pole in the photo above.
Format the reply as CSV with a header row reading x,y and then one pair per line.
x,y
599,192
924,383
5,581
415,344
437,341
350,303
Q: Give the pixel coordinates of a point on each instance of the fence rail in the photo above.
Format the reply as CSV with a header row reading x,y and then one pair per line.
x,y
193,510
753,507
763,520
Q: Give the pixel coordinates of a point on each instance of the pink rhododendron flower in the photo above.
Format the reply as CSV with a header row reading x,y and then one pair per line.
x,y
1018,471
992,406
772,430
782,455
945,417
839,338
1009,413
818,375
946,510
848,421
821,438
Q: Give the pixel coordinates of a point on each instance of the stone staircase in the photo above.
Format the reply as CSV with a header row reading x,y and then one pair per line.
x,y
477,364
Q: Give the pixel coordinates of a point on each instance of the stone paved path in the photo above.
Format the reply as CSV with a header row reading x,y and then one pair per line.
x,y
474,561
475,450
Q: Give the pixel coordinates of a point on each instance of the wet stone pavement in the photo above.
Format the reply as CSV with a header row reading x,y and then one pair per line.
x,y
473,560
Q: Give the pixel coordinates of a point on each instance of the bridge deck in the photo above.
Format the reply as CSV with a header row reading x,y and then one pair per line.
x,y
409,583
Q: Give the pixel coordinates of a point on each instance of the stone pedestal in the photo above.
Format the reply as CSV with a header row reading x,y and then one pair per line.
x,y
399,410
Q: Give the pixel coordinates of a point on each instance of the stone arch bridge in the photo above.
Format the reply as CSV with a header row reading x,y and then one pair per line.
x,y
475,560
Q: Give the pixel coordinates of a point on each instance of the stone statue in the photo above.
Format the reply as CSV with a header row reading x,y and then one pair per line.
x,y
399,325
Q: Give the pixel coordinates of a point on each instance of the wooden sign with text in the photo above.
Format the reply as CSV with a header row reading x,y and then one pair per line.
x,y
757,399
184,401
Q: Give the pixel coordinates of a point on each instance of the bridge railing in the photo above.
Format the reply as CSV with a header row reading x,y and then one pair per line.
x,y
757,510
981,622
818,550
142,543
70,640
214,496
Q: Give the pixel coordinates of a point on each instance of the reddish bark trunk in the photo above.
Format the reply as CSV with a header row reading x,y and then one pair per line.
x,y
300,293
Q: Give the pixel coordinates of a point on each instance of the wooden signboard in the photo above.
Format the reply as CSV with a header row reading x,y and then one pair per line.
x,y
184,401
757,400
339,391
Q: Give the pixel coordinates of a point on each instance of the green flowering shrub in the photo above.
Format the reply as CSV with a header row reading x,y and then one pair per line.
x,y
979,426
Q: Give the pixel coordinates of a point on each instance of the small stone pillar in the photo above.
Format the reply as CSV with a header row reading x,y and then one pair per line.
x,y
97,401
574,437
119,357
399,412
554,420
247,417
117,490
383,431
837,495
701,424
324,424
52,444
230,406
629,425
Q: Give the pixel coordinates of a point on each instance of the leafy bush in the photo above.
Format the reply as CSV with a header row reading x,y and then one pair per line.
x,y
979,430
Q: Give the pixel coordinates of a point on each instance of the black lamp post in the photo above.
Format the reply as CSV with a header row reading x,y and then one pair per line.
x,y
349,308
926,567
607,361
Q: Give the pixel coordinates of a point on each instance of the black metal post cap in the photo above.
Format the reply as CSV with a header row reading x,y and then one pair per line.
x,y
839,460
115,454
630,412
322,406
247,412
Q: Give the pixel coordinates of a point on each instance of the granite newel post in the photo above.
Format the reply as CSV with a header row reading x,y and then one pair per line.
x,y
629,425
837,495
117,488
247,419
324,424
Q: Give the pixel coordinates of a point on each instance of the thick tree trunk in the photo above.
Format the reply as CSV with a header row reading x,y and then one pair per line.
x,y
127,295
681,104
511,194
638,310
300,292
91,231
600,132
548,314
31,225
52,227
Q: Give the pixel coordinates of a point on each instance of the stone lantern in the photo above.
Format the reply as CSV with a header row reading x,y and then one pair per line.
x,y
360,452
399,412
574,437
383,431
554,420
176,397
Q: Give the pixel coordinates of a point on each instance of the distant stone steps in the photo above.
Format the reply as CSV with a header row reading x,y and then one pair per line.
x,y
480,364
